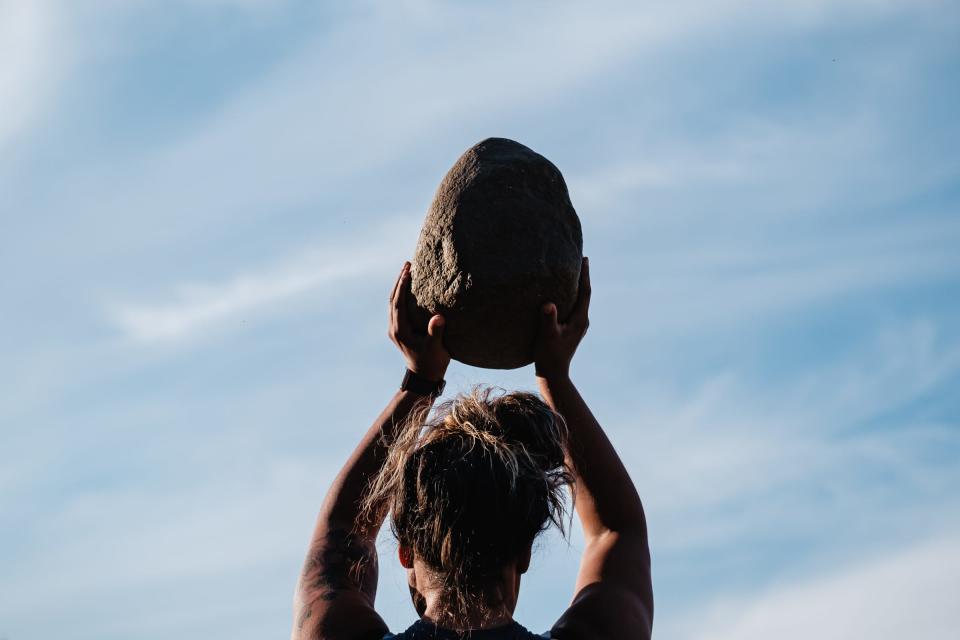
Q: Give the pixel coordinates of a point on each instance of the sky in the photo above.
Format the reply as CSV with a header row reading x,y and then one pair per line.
x,y
204,205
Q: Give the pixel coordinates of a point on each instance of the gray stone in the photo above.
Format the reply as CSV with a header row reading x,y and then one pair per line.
x,y
500,239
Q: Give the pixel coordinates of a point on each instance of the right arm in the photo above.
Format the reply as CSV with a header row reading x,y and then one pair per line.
x,y
613,594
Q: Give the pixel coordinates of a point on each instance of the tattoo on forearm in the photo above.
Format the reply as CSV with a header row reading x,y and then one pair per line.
x,y
341,561
305,612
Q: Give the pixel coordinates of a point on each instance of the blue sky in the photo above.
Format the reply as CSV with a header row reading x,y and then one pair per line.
x,y
204,204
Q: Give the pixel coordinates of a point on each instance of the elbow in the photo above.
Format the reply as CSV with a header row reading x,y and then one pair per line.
x,y
633,528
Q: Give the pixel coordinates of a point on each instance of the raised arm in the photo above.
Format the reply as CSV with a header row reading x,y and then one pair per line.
x,y
613,594
338,584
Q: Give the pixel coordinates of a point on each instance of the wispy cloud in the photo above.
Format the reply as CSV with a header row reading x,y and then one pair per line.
x,y
136,472
707,279
910,593
282,142
830,467
196,307
714,468
30,62
731,441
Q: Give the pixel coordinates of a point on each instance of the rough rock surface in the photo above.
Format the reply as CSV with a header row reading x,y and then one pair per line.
x,y
500,239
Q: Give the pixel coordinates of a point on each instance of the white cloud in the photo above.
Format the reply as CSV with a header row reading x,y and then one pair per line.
x,y
728,445
253,6
714,465
908,594
30,62
335,109
106,546
718,276
197,307
354,101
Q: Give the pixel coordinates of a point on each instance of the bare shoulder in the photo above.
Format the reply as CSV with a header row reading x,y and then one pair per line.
x,y
602,611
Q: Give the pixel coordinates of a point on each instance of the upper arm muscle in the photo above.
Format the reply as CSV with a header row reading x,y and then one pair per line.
x,y
347,616
604,612
337,589
614,594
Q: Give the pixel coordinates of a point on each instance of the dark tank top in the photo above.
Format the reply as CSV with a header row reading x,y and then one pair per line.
x,y
423,630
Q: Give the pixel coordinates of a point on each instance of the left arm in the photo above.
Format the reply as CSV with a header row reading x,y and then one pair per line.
x,y
338,584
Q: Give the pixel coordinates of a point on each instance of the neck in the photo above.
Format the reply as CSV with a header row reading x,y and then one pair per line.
x,y
475,621
496,610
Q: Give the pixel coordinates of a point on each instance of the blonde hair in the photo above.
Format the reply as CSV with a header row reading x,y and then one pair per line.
x,y
470,489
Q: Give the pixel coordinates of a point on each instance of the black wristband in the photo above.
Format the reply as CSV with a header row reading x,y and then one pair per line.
x,y
420,385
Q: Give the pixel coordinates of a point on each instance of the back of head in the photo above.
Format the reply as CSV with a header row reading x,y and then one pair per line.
x,y
471,489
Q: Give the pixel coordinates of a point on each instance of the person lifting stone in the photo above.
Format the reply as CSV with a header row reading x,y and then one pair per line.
x,y
497,281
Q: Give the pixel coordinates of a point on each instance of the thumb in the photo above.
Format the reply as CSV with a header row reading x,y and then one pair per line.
x,y
548,317
435,328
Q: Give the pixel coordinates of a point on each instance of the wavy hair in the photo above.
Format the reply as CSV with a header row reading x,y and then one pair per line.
x,y
470,489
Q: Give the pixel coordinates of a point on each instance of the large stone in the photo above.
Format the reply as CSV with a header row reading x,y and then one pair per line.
x,y
500,239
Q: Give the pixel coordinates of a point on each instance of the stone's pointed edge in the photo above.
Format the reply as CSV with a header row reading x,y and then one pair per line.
x,y
500,239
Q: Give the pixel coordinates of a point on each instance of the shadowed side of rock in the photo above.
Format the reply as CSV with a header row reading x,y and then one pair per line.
x,y
500,239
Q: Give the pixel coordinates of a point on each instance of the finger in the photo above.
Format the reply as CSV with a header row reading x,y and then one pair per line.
x,y
548,319
394,324
398,293
580,310
393,292
400,305
435,328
